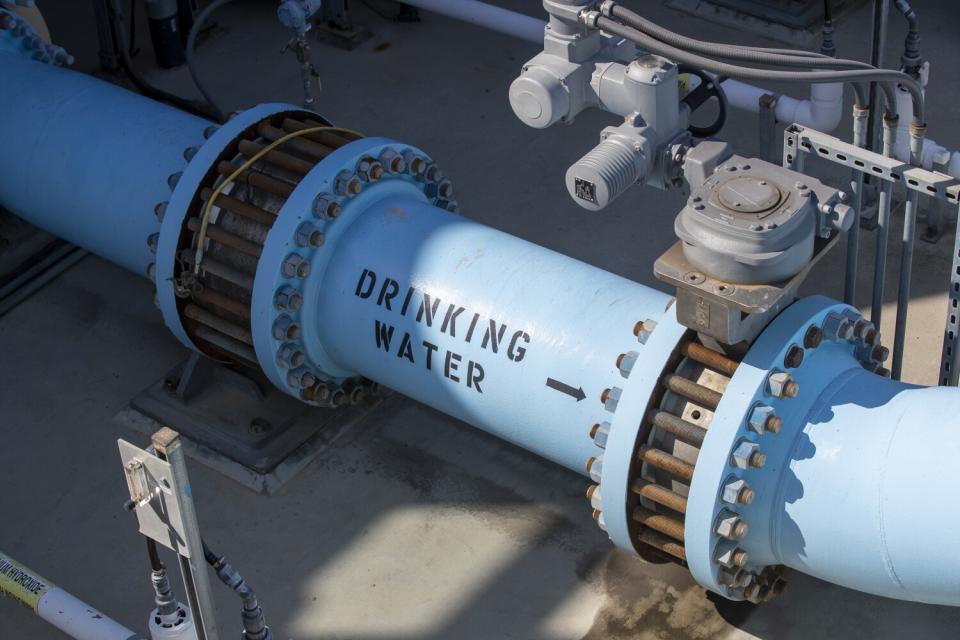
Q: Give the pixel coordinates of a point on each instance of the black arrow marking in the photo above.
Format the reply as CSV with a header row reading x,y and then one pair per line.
x,y
567,389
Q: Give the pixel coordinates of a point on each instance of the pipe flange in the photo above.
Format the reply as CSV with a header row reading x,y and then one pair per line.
x,y
18,35
731,529
299,247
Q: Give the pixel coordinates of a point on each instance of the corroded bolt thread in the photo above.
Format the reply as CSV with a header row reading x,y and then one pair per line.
x,y
591,490
780,586
597,514
740,530
415,163
209,131
605,396
880,353
871,336
773,424
793,357
369,170
638,329
347,184
813,337
746,496
189,153
758,459
160,210
445,189
739,558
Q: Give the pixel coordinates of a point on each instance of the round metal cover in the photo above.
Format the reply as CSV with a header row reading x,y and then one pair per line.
x,y
749,194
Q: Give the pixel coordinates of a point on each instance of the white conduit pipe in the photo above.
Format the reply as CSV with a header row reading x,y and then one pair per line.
x,y
486,15
822,112
68,614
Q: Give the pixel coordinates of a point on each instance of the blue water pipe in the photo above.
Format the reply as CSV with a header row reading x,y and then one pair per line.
x,y
552,354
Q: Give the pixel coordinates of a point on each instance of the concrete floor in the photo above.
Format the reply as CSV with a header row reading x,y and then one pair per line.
x,y
413,525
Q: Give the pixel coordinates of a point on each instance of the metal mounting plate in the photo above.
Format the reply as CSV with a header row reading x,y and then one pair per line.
x,y
159,514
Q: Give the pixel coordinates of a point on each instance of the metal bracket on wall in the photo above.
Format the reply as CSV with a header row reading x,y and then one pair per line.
x,y
800,142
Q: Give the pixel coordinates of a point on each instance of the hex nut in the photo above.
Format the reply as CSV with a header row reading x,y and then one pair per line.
x,y
611,398
744,454
595,468
642,330
393,161
626,361
347,184
288,298
836,327
760,418
369,170
730,556
432,173
600,432
295,266
730,525
284,328
781,384
879,354
290,357
326,206
301,379
309,235
736,491
415,162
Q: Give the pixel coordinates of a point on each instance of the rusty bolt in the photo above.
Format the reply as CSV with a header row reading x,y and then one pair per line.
x,y
793,357
643,329
338,398
295,266
595,468
611,398
152,271
731,526
309,236
880,354
736,491
625,362
760,418
432,173
883,371
393,161
209,131
173,179
317,393
189,153
152,241
160,210
779,587
600,432
347,184
594,497
415,162
290,357
757,459
301,379
862,329
326,206
288,298
369,170
813,337
732,557
284,328
449,205
745,454
781,385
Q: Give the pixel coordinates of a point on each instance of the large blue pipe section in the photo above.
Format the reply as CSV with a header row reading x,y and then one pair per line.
x,y
861,481
499,332
87,160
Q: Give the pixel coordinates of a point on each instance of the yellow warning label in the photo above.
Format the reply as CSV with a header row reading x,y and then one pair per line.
x,y
21,584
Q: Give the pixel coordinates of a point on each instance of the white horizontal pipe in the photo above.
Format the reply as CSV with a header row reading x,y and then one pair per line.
x,y
487,15
74,617
822,112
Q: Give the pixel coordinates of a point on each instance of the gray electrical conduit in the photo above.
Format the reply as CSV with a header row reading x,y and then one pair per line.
x,y
883,76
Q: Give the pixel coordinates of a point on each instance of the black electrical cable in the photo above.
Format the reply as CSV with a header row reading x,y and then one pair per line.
x,y
133,29
155,563
212,559
147,89
911,59
887,78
